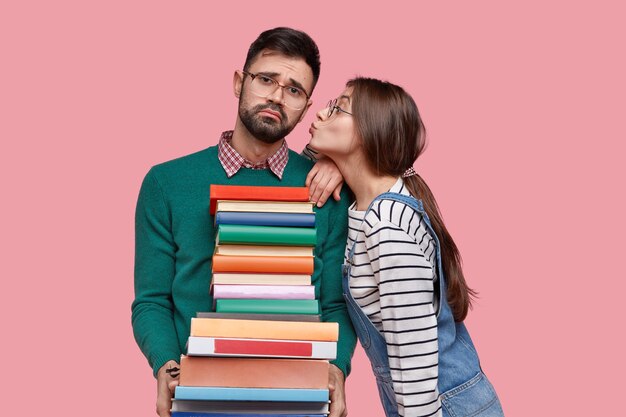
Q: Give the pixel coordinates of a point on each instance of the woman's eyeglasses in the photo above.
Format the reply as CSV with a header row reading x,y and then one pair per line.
x,y
332,107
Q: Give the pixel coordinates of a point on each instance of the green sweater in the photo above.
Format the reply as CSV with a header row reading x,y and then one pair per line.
x,y
174,242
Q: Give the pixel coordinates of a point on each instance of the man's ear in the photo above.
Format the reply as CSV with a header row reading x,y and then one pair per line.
x,y
306,109
237,82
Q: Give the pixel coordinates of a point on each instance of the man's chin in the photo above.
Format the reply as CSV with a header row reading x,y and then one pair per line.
x,y
269,139
268,120
265,128
271,133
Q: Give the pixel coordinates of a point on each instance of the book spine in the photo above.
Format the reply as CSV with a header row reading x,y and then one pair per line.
x,y
264,264
253,372
251,407
266,235
255,193
198,414
271,292
237,305
264,250
274,317
265,219
251,394
254,347
265,207
260,329
210,346
260,279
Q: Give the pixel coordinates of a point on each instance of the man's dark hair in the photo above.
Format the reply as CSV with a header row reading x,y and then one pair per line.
x,y
290,42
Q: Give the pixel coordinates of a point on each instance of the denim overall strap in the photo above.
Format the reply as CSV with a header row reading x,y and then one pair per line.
x,y
418,206
464,388
371,340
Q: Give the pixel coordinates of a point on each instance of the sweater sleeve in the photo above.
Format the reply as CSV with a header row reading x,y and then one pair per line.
x,y
333,304
409,323
152,309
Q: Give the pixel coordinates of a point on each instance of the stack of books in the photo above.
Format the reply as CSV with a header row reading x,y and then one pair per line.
x,y
263,257
263,351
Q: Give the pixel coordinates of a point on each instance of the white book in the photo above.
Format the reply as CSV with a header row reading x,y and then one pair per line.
x,y
260,279
270,348
265,206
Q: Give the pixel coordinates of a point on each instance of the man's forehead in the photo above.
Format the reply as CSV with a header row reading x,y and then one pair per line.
x,y
269,61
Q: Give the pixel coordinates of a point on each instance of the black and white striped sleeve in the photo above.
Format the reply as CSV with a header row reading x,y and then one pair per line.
x,y
405,277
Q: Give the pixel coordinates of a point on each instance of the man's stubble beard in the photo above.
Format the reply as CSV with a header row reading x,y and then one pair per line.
x,y
264,128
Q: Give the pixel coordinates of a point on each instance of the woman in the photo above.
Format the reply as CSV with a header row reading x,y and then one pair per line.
x,y
403,281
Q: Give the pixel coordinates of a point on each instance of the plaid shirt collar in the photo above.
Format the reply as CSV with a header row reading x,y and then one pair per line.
x,y
232,161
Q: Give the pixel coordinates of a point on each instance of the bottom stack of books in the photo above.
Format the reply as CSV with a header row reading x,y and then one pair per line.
x,y
256,365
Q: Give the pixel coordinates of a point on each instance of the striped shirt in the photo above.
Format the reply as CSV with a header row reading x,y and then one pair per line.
x,y
392,279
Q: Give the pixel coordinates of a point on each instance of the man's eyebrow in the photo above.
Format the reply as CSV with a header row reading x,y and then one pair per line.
x,y
268,73
295,83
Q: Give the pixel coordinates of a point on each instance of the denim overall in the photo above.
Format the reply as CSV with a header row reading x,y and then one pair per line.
x,y
465,390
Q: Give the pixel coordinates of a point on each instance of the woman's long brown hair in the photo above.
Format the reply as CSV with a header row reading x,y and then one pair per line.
x,y
393,136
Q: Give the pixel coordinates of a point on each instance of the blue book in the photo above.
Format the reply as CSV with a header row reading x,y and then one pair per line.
x,y
193,414
265,219
251,394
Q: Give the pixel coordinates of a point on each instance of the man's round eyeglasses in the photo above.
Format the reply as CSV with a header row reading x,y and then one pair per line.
x,y
263,85
332,107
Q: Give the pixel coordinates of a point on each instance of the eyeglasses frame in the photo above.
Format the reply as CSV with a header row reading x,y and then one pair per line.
x,y
253,76
332,106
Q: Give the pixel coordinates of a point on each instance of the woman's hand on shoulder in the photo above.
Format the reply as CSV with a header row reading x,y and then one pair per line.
x,y
323,180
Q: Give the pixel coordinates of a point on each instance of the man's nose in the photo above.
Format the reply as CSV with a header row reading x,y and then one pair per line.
x,y
276,96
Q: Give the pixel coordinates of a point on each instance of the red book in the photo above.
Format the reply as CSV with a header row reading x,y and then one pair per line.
x,y
255,193
256,347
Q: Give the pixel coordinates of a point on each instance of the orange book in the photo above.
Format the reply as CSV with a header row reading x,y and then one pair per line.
x,y
198,371
264,264
265,329
255,193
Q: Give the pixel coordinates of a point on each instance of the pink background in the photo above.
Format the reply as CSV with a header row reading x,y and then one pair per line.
x,y
524,106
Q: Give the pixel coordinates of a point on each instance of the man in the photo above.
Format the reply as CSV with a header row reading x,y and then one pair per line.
x,y
174,231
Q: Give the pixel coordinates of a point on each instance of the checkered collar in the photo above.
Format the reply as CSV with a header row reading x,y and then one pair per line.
x,y
232,161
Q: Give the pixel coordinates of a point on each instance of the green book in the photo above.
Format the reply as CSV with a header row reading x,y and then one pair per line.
x,y
237,305
265,235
